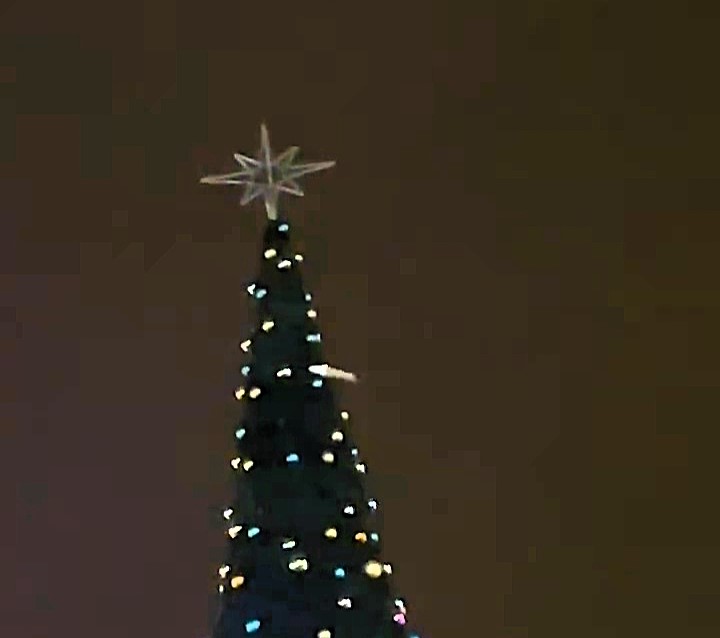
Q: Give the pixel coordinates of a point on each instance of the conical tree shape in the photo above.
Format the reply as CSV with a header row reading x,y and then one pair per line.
x,y
304,558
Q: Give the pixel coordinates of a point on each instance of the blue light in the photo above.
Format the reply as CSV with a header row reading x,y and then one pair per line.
x,y
317,383
313,338
292,458
252,626
253,531
245,370
239,434
339,573
283,228
260,293
375,536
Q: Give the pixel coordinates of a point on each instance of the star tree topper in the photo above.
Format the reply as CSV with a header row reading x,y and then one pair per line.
x,y
267,176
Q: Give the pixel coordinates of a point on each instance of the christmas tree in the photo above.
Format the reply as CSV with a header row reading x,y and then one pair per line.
x,y
304,552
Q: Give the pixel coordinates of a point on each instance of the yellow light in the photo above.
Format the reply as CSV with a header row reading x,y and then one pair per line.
x,y
299,565
387,568
312,313
234,531
331,532
270,253
239,393
361,536
373,569
328,456
268,325
247,465
254,393
324,633
344,415
223,571
245,345
299,257
337,436
235,463
360,467
237,581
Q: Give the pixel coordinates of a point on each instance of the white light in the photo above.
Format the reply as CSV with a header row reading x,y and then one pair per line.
x,y
375,536
285,372
253,531
400,604
235,463
345,602
254,393
349,509
289,544
328,457
387,568
268,325
308,296
283,228
344,415
331,532
234,531
324,633
223,571
221,588
360,467
239,393
312,313
292,458
354,451
228,513
285,263
317,383
298,565
313,338
251,288
239,434
337,436
245,370
247,465
245,345
270,253
299,257
372,504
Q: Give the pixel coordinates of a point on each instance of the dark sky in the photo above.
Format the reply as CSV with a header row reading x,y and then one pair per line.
x,y
517,251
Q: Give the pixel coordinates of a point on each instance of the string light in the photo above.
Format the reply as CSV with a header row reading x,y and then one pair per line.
x,y
372,504
399,618
234,531
345,602
292,458
245,345
324,633
344,415
361,537
331,532
260,293
237,581
268,325
354,451
223,571
360,467
317,383
284,227
228,513
239,393
285,372
312,313
247,465
313,338
239,433
270,253
251,288
339,572
387,568
252,626
245,370
235,463
349,509
253,531
254,393
337,436
308,296
299,257
285,263
375,536
328,456
289,544
373,569
221,588
298,565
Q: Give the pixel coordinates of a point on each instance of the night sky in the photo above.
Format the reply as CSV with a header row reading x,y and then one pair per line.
x,y
517,252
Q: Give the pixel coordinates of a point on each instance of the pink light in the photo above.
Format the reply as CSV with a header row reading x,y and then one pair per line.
x,y
399,618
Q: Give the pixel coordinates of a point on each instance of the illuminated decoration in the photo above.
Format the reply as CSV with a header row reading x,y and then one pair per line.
x,y
245,370
252,626
251,289
328,456
324,633
312,313
234,531
400,604
245,345
283,228
337,436
260,293
223,571
372,504
270,253
349,509
239,433
345,602
289,544
268,325
375,536
285,372
247,465
313,338
373,569
292,458
221,588
239,393
254,393
360,467
237,581
308,297
324,370
253,531
361,537
344,415
228,513
235,463
399,618
285,263
354,451
331,532
339,573
299,564
299,257
387,568
317,383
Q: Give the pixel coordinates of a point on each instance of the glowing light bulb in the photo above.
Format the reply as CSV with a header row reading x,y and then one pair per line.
x,y
236,581
345,602
285,263
387,568
372,504
235,463
234,531
317,383
400,604
331,532
324,633
308,296
373,569
245,345
360,467
247,465
299,257
298,565
260,293
253,531
337,436
228,513
375,536
239,433
292,458
312,313
354,451
268,325
289,544
339,573
399,619
223,571
221,588
245,370
285,372
361,537
239,393
254,393
252,626
328,456
270,253
344,415
313,338
251,288
349,509
283,228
